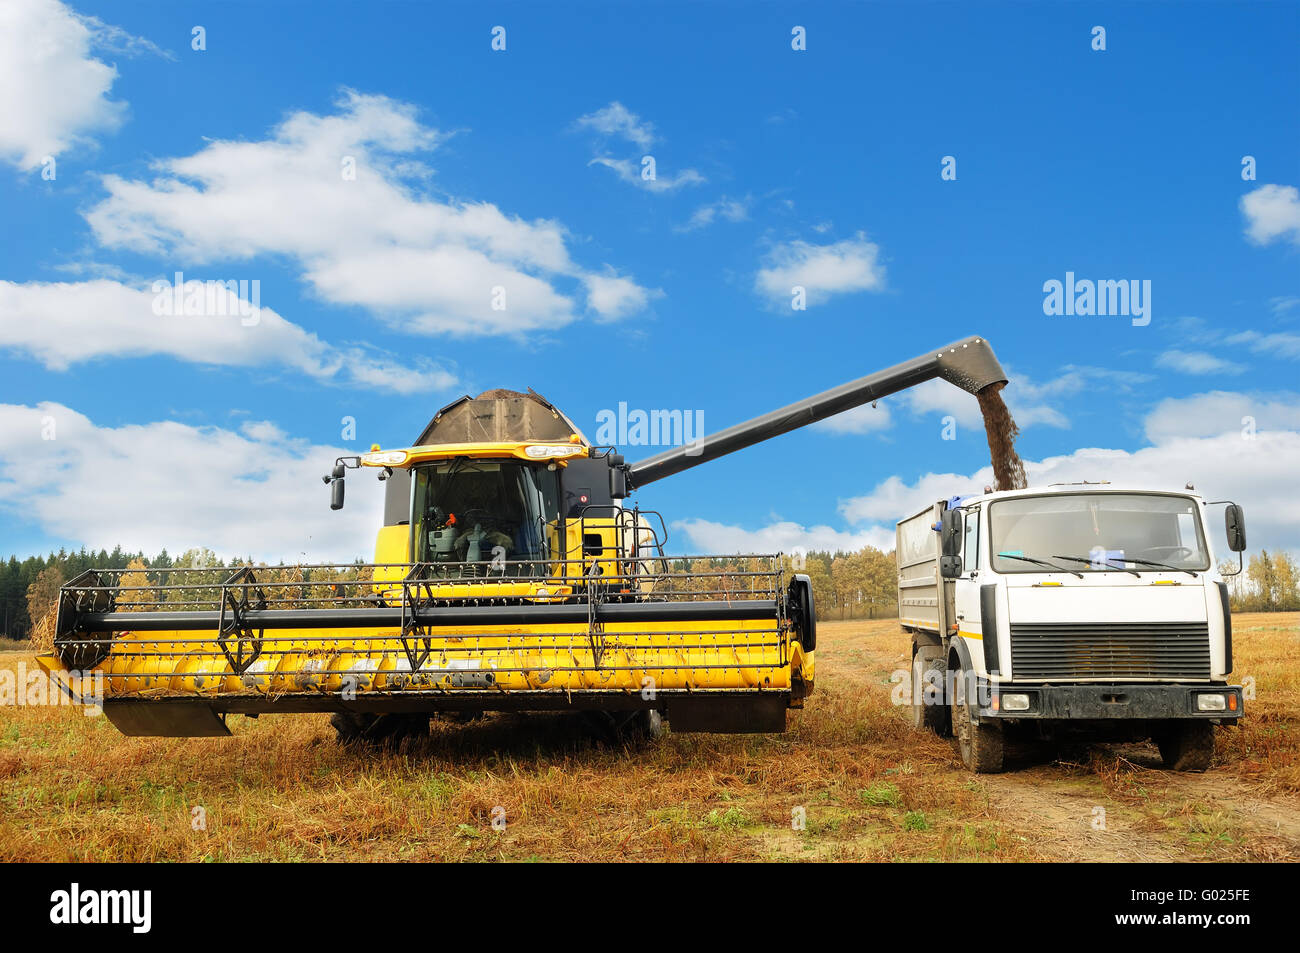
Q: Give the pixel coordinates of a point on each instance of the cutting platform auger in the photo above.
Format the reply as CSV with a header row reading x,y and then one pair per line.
x,y
509,575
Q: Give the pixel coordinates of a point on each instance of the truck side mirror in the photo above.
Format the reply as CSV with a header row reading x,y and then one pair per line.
x,y
1235,523
336,487
950,533
949,567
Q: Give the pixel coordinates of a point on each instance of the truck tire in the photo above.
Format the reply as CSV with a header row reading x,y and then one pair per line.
x,y
1188,746
980,745
925,666
351,727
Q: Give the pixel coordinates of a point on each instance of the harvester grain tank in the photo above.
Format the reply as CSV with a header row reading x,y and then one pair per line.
x,y
509,575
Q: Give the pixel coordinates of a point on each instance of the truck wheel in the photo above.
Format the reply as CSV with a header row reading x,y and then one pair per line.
x,y
1187,747
387,730
928,671
980,745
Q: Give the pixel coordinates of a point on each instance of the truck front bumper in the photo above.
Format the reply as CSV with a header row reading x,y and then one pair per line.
x,y
1093,702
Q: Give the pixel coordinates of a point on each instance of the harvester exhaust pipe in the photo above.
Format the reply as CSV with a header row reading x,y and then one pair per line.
x,y
969,364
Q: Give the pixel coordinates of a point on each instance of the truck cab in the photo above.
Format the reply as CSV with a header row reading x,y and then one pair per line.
x,y
1083,610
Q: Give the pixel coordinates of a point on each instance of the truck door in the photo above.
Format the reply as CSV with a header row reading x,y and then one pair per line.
x,y
967,590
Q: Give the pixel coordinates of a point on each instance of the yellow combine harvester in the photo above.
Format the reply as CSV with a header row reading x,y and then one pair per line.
x,y
509,575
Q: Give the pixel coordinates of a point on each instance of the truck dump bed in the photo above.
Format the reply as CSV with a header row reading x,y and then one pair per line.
x,y
924,596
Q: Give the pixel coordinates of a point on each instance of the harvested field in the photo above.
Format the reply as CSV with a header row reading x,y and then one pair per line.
x,y
72,788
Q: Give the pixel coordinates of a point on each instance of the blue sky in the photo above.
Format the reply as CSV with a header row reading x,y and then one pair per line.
x,y
521,168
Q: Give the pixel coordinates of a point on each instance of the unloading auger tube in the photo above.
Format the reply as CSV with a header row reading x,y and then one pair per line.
x,y
712,643
969,364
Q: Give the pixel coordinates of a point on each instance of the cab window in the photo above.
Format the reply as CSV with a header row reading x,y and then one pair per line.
x,y
971,550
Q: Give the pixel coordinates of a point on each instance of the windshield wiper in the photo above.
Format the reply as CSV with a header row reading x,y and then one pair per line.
x,y
1040,562
1108,559
1152,562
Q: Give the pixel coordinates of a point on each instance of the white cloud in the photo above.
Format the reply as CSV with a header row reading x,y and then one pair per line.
x,y
785,537
1221,412
823,270
1283,303
166,484
1272,211
612,296
859,420
53,93
1197,362
66,323
1258,473
1199,439
630,171
1277,344
375,242
726,209
617,120
1028,402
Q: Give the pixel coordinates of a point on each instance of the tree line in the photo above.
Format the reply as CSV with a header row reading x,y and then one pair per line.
x,y
846,585
1271,583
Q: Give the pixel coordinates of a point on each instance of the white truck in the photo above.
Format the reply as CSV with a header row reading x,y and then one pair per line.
x,y
1080,610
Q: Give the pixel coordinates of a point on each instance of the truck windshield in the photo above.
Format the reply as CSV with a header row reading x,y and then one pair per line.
x,y
483,511
1097,532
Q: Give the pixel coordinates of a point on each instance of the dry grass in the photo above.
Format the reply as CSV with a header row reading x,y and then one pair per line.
x,y
71,788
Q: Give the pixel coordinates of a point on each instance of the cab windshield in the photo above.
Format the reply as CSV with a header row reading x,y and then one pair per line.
x,y
1097,532
483,512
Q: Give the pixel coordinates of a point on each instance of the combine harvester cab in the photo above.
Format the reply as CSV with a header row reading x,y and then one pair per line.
x,y
509,576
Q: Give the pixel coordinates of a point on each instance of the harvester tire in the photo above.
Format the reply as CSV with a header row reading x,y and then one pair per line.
x,y
980,744
631,727
384,730
1187,747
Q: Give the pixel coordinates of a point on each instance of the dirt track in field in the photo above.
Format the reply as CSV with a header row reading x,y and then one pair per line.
x,y
1052,796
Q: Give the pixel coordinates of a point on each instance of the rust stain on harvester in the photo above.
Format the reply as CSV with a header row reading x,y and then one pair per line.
x,y
1001,429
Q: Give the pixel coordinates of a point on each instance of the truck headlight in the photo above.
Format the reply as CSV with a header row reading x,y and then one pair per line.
x,y
1015,702
1211,702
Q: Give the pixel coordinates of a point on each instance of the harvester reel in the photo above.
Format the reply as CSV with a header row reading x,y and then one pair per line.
x,y
416,655
82,655
233,628
803,613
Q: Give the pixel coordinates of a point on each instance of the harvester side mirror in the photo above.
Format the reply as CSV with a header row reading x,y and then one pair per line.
x,y
336,487
950,533
617,477
1235,523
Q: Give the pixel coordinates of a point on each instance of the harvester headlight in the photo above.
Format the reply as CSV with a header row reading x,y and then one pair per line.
x,y
1016,701
385,458
1211,702
541,451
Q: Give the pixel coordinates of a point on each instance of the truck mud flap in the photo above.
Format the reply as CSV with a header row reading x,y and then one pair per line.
x,y
162,718
753,714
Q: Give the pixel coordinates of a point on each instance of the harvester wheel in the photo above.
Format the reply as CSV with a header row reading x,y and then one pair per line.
x,y
368,728
980,744
1187,747
628,727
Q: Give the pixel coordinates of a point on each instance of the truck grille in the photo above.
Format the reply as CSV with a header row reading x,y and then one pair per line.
x,y
1054,650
